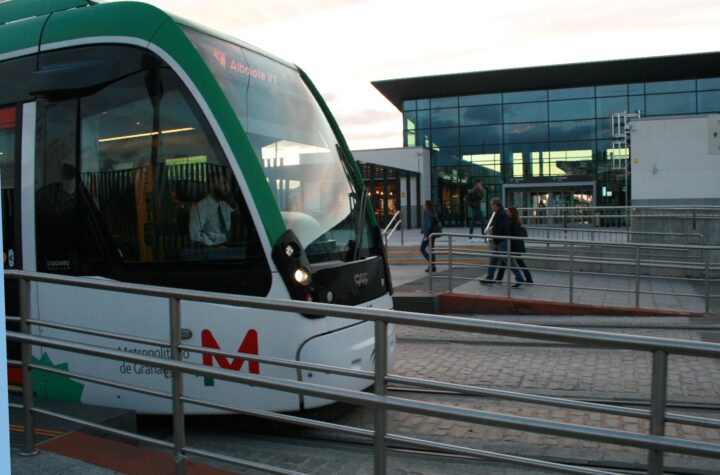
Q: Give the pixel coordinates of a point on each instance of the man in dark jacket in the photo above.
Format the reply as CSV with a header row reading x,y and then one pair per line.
x,y
499,226
474,201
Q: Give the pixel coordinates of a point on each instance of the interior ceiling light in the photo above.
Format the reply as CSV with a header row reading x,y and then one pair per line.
x,y
146,134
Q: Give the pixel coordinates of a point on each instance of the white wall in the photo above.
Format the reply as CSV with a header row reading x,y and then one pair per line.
x,y
671,160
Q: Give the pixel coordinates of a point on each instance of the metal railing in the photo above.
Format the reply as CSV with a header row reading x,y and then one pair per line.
x,y
689,218
614,235
695,264
391,227
655,442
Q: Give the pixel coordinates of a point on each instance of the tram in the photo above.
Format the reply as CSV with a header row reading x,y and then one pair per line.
x,y
140,147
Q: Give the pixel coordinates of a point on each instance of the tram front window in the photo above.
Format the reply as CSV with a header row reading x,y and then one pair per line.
x,y
160,186
311,180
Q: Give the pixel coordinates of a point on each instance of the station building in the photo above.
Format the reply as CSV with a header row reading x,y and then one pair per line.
x,y
541,136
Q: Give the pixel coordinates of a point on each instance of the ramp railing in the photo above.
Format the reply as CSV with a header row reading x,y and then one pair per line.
x,y
656,443
637,268
685,219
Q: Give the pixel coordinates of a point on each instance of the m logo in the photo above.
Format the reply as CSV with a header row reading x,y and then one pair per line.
x,y
249,346
361,279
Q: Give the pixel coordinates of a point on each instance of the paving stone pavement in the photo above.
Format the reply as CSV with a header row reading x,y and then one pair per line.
x,y
590,373
560,370
326,458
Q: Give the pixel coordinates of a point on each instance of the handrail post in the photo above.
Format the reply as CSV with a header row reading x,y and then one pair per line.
x,y
707,280
547,236
27,384
694,219
430,257
637,276
507,267
450,264
658,400
177,388
571,272
380,458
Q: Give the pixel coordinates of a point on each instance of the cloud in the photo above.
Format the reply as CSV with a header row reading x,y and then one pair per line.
x,y
345,44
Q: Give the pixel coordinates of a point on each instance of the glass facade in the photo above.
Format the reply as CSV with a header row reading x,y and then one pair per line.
x,y
552,137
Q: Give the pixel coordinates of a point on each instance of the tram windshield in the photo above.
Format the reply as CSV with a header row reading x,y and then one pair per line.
x,y
309,175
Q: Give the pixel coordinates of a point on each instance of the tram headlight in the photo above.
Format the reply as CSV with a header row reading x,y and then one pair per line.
x,y
302,276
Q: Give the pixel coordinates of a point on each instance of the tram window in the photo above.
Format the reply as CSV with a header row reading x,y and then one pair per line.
x,y
8,138
163,190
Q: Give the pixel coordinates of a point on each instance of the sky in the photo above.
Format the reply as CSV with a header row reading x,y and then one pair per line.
x,y
343,45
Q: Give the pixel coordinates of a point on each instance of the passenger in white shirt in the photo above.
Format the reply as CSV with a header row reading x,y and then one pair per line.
x,y
211,217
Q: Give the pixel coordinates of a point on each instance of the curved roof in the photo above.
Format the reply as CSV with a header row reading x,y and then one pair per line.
x,y
659,68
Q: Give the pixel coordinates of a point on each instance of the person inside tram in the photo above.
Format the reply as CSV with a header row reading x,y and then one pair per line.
x,y
210,220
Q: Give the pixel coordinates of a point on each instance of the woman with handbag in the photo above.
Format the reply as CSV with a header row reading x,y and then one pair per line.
x,y
517,246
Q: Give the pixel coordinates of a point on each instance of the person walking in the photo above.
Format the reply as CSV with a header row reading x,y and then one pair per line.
x,y
430,225
474,200
517,246
499,226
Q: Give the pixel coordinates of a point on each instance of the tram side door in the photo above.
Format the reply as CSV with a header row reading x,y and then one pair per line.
x,y
67,243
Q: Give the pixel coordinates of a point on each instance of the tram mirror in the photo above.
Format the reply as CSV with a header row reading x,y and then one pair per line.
x,y
77,78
